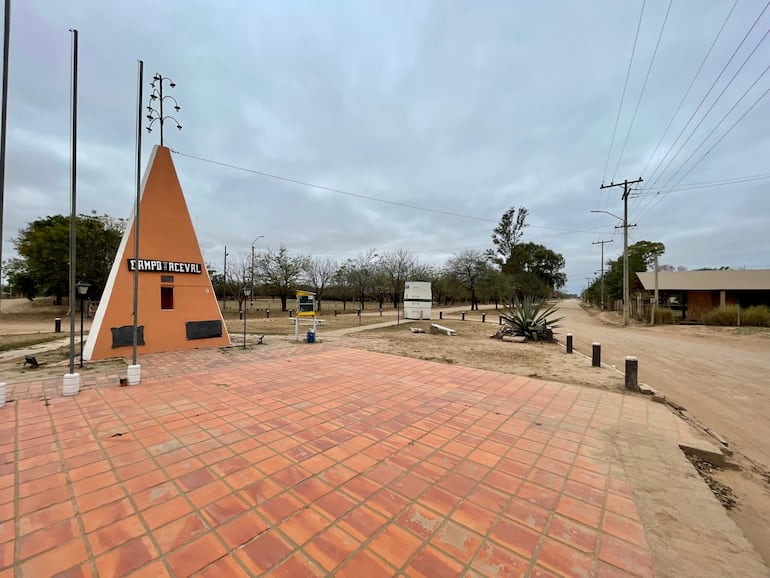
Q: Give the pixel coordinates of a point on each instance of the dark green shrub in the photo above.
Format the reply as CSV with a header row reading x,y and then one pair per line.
x,y
531,318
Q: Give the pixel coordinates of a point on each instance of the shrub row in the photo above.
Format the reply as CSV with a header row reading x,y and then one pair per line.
x,y
755,316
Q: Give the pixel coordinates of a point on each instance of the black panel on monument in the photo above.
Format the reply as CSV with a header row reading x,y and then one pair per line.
x,y
124,336
203,329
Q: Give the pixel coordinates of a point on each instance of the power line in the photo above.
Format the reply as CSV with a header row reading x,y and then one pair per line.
x,y
719,140
700,104
644,86
358,195
330,189
708,112
689,88
713,130
703,185
623,94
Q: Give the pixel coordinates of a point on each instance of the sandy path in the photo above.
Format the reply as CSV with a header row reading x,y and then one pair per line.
x,y
722,378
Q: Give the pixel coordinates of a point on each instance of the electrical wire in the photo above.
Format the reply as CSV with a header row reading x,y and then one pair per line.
x,y
623,94
719,140
703,100
708,112
358,195
689,88
331,189
705,184
641,93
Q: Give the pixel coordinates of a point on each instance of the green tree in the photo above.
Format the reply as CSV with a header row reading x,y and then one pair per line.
x,y
43,248
280,271
507,234
641,256
535,270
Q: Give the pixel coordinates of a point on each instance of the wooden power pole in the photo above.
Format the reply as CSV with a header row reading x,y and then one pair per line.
x,y
602,243
626,190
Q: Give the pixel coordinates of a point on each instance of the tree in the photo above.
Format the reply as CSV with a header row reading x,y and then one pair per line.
x,y
361,273
43,248
469,268
535,270
507,234
280,271
319,273
496,286
397,266
641,256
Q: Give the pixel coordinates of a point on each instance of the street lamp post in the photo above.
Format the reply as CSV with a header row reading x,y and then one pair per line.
x,y
246,294
252,265
157,95
82,287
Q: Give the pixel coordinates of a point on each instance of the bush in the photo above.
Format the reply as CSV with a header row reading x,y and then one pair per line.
x,y
531,318
664,316
756,316
726,315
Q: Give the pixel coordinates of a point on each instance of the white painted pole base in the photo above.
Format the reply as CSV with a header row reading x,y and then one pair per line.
x,y
2,394
134,374
71,384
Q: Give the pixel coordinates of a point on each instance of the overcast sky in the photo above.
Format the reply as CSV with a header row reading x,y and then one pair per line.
x,y
466,107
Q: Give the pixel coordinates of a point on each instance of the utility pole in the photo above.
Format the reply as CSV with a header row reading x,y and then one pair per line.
x,y
224,283
602,243
655,302
626,190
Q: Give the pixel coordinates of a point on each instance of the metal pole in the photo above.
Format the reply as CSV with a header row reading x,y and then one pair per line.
x,y
251,298
224,283
81,330
73,198
161,110
3,126
626,295
135,338
244,322
655,303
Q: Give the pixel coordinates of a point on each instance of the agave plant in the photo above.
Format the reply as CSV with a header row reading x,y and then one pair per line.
x,y
531,318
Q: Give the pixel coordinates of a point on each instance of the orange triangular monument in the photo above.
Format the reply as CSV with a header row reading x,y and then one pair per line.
x,y
177,306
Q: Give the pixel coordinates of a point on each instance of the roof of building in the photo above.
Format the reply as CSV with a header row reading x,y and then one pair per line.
x,y
729,280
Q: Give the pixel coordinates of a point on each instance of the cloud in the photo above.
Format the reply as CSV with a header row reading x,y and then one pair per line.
x,y
459,106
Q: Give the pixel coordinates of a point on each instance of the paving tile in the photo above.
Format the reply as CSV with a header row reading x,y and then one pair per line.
x,y
492,560
179,532
195,556
107,537
367,564
264,552
625,556
432,563
331,547
126,558
62,558
515,537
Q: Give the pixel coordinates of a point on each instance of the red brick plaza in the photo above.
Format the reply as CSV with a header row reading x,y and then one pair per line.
x,y
319,460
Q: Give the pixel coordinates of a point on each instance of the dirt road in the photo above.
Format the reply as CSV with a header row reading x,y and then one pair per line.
x,y
720,375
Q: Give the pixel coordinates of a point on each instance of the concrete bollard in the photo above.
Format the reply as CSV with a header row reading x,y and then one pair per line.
x,y
632,374
440,314
483,317
596,354
240,314
380,311
335,312
500,320
57,325
463,315
569,342
267,313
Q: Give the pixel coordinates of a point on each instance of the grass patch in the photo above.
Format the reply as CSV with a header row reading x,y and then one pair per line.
x,y
732,316
11,342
